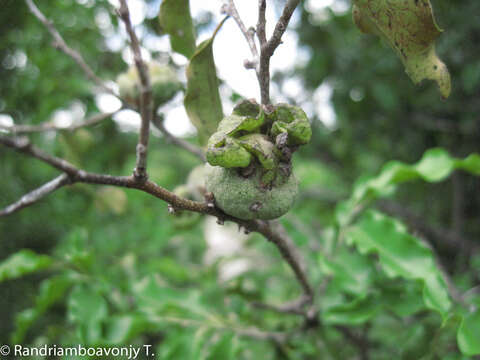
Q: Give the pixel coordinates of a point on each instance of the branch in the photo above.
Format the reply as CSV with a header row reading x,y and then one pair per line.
x,y
146,103
269,47
282,24
276,236
48,126
295,307
22,144
287,249
36,195
249,34
261,23
360,341
62,45
195,150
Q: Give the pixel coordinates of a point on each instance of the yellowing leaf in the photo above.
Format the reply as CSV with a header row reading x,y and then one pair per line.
x,y
410,29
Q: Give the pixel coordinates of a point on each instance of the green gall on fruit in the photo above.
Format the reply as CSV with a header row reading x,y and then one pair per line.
x,y
246,198
163,80
251,173
293,121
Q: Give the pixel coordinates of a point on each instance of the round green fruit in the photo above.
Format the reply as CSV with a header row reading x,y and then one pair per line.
x,y
247,197
163,80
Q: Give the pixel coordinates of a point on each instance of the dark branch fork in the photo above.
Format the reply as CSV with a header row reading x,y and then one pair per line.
x,y
71,174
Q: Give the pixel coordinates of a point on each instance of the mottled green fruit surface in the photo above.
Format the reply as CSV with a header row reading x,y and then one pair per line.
x,y
163,80
246,198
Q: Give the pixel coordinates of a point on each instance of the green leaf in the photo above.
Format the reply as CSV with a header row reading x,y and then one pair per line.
x,y
121,328
263,149
157,300
202,99
402,255
355,312
87,309
176,20
22,263
223,348
409,27
435,165
51,291
468,335
355,278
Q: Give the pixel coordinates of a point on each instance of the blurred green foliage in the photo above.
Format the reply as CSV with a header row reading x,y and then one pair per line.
x,y
104,266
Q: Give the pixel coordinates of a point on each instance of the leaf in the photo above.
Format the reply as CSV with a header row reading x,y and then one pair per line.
x,y
355,278
402,255
468,334
119,329
409,27
23,263
176,20
51,290
87,309
355,312
157,300
435,165
223,348
202,98
260,146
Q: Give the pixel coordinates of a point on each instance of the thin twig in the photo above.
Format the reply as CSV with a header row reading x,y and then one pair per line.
x,y
262,22
48,126
269,47
280,27
146,103
249,34
360,341
195,150
22,144
277,236
286,247
36,195
62,45
295,307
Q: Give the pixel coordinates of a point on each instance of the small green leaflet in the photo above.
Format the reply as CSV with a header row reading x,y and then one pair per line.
x,y
88,310
121,328
435,165
400,254
23,263
202,99
353,313
468,335
409,27
176,20
51,291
